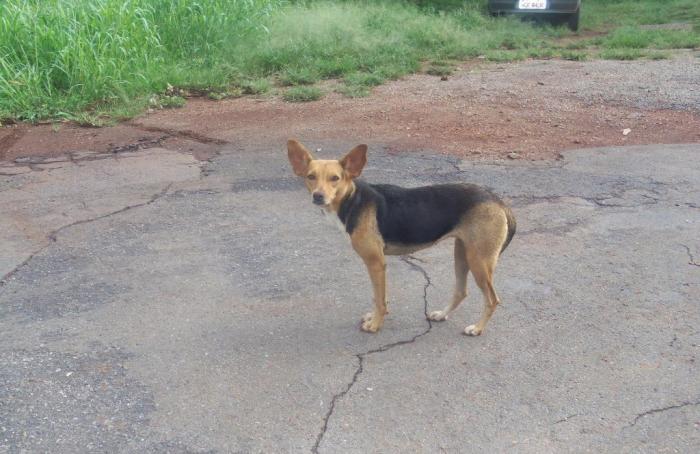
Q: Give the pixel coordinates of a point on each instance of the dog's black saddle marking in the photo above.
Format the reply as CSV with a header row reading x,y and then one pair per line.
x,y
413,216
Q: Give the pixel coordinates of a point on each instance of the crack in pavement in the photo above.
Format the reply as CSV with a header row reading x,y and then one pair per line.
x,y
186,134
662,409
600,201
52,237
691,259
361,356
565,419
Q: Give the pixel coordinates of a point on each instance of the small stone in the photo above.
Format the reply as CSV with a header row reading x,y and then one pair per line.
x,y
626,131
513,155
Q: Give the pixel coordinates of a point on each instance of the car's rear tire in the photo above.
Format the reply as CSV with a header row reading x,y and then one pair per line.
x,y
573,20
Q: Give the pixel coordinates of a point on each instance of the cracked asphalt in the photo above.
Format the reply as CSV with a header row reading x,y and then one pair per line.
x,y
154,303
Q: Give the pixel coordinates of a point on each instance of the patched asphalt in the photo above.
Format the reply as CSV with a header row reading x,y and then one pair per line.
x,y
151,303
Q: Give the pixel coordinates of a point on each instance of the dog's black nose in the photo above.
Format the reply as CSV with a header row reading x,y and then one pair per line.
x,y
318,198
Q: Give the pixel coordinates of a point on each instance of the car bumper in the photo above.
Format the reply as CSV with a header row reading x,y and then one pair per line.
x,y
553,6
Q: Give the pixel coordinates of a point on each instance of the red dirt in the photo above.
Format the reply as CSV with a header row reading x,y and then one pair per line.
x,y
464,116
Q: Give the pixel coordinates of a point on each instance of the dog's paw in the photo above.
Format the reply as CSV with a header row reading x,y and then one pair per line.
x,y
471,330
437,316
370,323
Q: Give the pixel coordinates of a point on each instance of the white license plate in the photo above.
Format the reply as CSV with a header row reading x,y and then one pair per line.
x,y
532,4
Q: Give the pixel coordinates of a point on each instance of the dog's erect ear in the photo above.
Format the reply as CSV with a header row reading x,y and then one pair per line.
x,y
355,161
299,157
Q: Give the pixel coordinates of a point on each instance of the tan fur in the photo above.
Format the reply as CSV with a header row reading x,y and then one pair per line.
x,y
479,237
369,245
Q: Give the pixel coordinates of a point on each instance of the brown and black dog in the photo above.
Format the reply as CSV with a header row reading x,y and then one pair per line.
x,y
382,220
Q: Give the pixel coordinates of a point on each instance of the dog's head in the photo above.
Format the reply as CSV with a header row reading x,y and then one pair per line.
x,y
328,180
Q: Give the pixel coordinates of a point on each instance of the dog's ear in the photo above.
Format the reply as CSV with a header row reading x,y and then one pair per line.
x,y
299,157
355,161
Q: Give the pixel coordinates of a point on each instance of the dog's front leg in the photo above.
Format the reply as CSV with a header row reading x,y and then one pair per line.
x,y
369,244
376,266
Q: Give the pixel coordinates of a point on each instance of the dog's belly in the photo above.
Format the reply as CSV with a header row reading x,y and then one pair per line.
x,y
396,248
405,249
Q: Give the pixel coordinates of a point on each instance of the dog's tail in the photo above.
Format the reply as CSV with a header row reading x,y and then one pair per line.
x,y
511,227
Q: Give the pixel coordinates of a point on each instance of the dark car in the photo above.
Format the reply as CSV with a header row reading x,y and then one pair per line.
x,y
557,11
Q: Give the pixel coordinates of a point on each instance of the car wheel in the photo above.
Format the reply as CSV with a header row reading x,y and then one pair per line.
x,y
573,20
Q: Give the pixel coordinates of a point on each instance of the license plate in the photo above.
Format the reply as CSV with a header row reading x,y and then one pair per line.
x,y
532,4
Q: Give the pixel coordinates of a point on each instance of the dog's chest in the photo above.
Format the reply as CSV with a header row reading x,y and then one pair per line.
x,y
334,220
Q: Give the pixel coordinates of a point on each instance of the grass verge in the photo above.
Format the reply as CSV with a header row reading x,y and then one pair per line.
x,y
78,59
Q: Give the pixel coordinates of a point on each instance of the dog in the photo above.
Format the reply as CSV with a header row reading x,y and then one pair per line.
x,y
383,220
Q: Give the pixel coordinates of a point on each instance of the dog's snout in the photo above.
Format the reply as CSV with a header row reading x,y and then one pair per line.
x,y
318,198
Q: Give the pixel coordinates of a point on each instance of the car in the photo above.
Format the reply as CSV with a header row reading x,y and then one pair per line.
x,y
556,11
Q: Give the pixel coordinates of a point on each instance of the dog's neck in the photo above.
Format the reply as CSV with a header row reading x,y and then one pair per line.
x,y
338,201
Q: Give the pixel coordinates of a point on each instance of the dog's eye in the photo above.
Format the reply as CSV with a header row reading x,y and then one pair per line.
x,y
335,178
311,177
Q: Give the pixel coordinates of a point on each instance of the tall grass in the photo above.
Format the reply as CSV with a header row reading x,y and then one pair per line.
x,y
62,58
58,57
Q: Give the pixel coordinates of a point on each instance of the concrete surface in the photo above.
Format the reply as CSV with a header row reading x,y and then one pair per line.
x,y
151,303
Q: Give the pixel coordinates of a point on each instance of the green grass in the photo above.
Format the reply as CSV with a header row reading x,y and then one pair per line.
x,y
302,94
59,58
366,79
505,55
574,55
659,55
442,71
219,95
600,14
620,54
256,86
629,37
299,76
92,60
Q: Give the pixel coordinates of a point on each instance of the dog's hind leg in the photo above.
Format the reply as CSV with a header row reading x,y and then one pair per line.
x,y
482,269
460,292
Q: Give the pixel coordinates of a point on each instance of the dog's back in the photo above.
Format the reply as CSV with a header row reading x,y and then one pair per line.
x,y
415,217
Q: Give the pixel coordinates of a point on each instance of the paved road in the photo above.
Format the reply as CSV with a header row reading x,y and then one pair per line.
x,y
153,304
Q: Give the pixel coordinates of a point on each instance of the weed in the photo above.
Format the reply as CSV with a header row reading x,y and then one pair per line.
x,y
219,95
574,56
658,55
505,55
302,94
434,70
256,86
577,45
540,52
364,79
166,102
621,54
298,76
